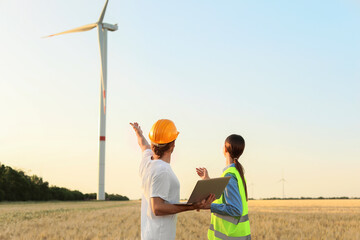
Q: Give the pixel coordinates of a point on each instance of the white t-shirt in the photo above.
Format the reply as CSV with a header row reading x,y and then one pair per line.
x,y
158,180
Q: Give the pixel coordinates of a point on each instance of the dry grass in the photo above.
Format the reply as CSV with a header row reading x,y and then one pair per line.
x,y
71,220
305,219
288,219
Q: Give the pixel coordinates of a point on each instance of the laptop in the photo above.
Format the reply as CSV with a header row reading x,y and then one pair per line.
x,y
204,188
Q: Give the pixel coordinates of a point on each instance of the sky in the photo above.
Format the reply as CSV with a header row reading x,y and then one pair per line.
x,y
283,74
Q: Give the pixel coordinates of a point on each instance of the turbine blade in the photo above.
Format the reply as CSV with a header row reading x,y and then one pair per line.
x,y
103,50
104,99
103,84
78,29
103,12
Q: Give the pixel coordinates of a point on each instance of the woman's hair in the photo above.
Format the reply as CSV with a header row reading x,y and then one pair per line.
x,y
160,149
235,145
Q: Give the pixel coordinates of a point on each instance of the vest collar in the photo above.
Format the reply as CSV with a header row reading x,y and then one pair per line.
x,y
229,166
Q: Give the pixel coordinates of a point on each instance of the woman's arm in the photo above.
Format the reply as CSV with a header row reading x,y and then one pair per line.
x,y
233,205
140,137
203,173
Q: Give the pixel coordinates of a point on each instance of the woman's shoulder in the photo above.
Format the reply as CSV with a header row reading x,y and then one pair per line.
x,y
232,175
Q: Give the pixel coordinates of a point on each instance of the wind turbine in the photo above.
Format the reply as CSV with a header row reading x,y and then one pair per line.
x,y
283,184
103,28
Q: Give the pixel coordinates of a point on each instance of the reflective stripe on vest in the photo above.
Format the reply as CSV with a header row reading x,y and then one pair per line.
x,y
231,219
224,237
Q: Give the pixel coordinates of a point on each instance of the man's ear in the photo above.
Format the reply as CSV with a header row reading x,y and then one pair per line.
x,y
172,146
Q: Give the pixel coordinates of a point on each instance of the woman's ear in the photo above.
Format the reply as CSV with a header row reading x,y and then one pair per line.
x,y
224,150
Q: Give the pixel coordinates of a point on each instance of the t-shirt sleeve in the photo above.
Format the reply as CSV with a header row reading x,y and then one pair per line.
x,y
147,153
145,158
160,186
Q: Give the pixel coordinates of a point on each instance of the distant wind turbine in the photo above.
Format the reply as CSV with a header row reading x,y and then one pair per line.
x,y
103,28
283,184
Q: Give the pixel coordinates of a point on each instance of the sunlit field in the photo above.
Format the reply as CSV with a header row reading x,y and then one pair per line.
x,y
271,219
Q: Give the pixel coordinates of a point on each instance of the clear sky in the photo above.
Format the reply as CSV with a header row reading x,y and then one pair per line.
x,y
283,74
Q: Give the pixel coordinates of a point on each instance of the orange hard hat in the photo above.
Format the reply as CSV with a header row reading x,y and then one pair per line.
x,y
163,131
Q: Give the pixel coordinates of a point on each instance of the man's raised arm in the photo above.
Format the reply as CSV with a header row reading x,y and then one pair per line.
x,y
141,139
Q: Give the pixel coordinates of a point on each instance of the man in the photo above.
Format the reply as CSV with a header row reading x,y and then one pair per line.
x,y
161,188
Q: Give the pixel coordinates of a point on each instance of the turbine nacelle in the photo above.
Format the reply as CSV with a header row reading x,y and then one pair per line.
x,y
110,27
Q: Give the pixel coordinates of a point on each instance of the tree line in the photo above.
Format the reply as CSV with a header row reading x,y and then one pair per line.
x,y
16,185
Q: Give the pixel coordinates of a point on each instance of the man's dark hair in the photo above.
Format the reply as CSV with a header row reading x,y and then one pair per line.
x,y
160,149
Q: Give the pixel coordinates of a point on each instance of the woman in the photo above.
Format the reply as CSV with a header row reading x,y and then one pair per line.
x,y
229,213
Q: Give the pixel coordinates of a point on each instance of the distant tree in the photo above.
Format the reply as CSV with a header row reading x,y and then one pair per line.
x,y
115,197
2,182
90,196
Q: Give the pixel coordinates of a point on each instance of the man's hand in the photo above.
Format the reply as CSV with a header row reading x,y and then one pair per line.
x,y
203,173
137,128
205,203
141,139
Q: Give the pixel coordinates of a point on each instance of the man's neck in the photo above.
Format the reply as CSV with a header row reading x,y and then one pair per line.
x,y
166,157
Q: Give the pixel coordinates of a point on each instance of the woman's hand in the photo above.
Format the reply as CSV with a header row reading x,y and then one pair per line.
x,y
203,173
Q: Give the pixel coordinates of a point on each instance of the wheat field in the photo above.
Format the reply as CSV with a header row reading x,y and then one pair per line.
x,y
269,219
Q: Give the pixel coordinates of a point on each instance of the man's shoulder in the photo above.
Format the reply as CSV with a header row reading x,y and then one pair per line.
x,y
159,166
158,170
147,153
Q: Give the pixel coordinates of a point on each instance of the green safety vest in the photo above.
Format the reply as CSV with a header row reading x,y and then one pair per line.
x,y
228,227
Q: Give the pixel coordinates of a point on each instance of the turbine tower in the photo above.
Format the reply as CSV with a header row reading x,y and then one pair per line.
x,y
103,28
